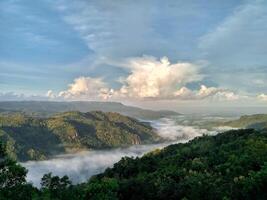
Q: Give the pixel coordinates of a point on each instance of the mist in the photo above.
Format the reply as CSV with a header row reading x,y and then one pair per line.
x,y
81,166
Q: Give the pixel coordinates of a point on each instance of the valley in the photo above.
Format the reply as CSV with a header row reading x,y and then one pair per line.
x,y
88,163
35,138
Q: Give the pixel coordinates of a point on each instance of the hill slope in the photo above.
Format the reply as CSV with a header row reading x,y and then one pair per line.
x,y
258,121
48,108
230,165
30,138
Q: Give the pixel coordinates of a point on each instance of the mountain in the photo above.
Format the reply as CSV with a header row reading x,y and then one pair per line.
x,y
258,121
48,108
230,165
34,138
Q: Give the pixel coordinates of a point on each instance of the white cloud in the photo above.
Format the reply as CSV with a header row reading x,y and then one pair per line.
x,y
216,93
50,94
205,92
184,93
124,28
11,96
236,38
262,97
148,78
240,39
152,78
85,88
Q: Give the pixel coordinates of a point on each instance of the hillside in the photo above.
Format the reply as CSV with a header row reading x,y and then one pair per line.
x,y
48,108
258,121
231,165
33,138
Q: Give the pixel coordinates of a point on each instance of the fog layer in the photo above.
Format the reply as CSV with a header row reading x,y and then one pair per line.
x,y
79,167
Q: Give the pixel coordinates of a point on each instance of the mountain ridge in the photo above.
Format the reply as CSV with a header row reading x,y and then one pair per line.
x,y
257,121
34,138
48,108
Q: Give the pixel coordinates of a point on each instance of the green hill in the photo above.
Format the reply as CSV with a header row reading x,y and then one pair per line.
x,y
33,138
48,108
231,165
258,121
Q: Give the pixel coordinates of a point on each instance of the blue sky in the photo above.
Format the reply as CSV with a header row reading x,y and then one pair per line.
x,y
74,49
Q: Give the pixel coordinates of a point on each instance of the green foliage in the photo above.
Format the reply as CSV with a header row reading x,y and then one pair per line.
x,y
13,185
33,138
230,165
106,189
54,182
11,174
54,187
12,179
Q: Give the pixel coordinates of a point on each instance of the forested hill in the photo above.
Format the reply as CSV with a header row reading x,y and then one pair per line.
x,y
258,121
230,165
33,138
48,108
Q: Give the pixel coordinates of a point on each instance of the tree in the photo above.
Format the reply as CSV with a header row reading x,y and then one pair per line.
x,y
13,179
105,189
55,187
11,173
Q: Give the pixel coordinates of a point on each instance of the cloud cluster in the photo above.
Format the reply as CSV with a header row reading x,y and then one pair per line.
x,y
148,78
84,88
152,78
206,92
262,97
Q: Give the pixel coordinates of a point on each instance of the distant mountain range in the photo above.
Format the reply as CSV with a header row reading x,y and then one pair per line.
x,y
48,108
258,121
35,138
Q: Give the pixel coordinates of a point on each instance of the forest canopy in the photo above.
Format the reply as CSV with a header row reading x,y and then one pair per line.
x,y
230,165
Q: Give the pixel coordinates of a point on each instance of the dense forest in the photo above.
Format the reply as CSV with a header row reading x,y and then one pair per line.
x,y
34,138
230,165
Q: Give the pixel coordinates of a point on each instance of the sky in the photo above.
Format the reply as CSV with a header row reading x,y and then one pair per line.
x,y
146,52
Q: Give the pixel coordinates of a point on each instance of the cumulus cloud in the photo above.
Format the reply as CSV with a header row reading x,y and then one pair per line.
x,y
262,97
148,78
152,78
50,94
86,88
205,92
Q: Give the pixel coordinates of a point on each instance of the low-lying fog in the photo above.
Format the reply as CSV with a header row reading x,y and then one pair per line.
x,y
79,167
